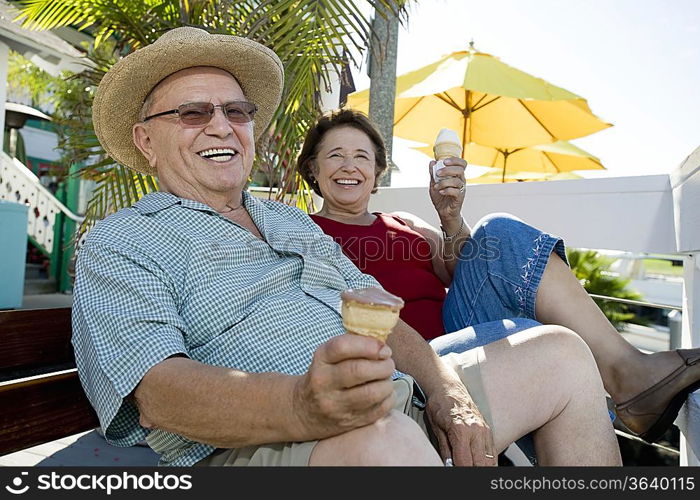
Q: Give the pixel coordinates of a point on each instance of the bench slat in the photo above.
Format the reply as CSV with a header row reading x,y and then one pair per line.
x,y
34,339
43,409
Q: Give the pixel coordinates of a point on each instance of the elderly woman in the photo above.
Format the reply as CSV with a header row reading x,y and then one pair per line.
x,y
503,275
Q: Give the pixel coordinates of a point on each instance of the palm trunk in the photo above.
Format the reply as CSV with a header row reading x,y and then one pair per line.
x,y
382,71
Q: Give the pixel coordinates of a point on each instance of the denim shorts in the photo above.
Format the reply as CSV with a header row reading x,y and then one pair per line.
x,y
494,286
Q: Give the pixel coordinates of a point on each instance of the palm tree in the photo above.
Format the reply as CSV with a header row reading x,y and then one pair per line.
x,y
311,37
593,272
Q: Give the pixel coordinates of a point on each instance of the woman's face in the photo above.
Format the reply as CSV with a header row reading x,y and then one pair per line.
x,y
345,169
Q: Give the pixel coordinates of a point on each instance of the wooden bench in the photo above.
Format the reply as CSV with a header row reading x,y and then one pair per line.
x,y
40,394
42,399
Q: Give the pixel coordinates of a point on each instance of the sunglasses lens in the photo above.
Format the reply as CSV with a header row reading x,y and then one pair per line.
x,y
240,112
197,113
200,113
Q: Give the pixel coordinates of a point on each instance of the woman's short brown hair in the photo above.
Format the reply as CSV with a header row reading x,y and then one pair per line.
x,y
335,119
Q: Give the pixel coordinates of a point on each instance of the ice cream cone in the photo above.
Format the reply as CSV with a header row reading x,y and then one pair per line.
x,y
372,312
447,144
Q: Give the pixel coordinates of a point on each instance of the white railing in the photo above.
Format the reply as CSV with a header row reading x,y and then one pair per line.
x,y
18,184
657,214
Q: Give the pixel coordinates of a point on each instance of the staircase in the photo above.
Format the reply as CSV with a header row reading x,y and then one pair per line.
x,y
36,280
50,226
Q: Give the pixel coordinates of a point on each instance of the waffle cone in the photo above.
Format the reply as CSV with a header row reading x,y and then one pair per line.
x,y
371,312
447,150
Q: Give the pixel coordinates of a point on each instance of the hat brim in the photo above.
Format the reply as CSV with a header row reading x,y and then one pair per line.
x,y
123,89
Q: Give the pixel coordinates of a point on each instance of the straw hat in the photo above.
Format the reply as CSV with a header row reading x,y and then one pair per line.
x,y
126,85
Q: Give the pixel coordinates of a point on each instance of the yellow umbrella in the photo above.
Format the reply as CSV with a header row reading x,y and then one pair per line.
x,y
554,158
495,175
486,101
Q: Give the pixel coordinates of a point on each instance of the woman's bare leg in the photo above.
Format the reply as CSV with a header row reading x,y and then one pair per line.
x,y
626,371
545,380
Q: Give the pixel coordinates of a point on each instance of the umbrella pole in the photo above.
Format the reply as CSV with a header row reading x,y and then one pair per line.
x,y
466,126
505,160
466,113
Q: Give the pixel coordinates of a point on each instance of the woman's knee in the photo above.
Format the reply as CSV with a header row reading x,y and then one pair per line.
x,y
490,232
497,224
515,325
568,352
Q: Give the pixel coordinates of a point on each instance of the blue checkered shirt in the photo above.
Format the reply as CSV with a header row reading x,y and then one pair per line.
x,y
171,276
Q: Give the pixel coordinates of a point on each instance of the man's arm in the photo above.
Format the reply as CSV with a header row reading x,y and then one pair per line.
x,y
128,303
347,386
462,432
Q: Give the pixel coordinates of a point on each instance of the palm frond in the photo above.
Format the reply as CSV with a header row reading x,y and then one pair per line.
x,y
116,187
312,38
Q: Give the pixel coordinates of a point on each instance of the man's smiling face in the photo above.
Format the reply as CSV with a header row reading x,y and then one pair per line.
x,y
197,162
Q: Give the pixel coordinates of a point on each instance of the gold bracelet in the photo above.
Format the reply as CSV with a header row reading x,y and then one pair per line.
x,y
448,239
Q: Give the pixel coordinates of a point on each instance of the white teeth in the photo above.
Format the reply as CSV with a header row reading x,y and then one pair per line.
x,y
349,182
218,154
220,159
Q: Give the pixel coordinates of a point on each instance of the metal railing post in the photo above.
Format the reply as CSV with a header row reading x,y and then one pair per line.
x,y
65,281
675,329
690,337
68,229
57,251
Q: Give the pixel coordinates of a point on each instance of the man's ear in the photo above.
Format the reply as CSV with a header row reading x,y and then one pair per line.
x,y
142,141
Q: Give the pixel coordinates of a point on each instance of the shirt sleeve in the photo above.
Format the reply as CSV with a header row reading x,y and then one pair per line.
x,y
125,321
354,277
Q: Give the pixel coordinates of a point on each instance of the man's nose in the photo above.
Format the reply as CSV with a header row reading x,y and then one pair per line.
x,y
219,124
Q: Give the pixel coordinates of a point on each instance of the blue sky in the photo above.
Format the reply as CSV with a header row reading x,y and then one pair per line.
x,y
637,62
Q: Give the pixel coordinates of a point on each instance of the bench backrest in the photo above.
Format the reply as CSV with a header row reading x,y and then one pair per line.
x,y
41,398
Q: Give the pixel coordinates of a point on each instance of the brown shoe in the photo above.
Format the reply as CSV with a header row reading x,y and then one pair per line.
x,y
650,413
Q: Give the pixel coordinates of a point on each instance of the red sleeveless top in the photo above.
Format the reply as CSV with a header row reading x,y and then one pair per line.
x,y
400,259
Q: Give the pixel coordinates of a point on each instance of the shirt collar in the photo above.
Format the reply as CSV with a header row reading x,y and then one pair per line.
x,y
158,201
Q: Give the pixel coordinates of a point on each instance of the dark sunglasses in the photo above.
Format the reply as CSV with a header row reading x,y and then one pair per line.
x,y
200,113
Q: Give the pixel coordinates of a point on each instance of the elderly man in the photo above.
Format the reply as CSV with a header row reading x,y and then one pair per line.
x,y
207,322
